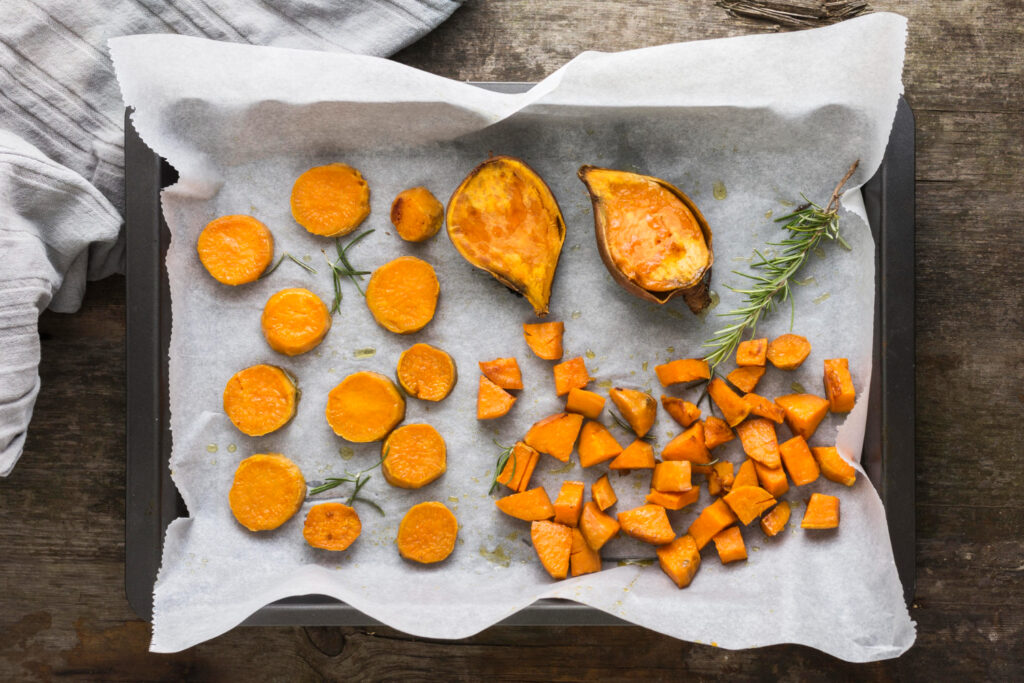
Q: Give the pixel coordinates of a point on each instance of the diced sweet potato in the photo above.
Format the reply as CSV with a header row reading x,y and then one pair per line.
x,y
528,506
729,544
822,512
637,407
734,408
602,493
759,441
555,435
788,351
747,502
569,503
752,353
571,374
710,521
673,501
504,372
582,558
746,378
746,475
776,519
833,466
597,527
720,478
688,446
491,400
586,403
762,407
839,385
683,412
716,432
638,455
519,467
680,560
545,339
647,523
683,370
553,543
597,444
772,480
804,412
799,462
672,476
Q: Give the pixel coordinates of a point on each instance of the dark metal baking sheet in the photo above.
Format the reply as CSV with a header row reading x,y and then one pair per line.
x,y
152,501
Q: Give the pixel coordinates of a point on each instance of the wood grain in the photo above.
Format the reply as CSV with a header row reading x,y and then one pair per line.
x,y
62,606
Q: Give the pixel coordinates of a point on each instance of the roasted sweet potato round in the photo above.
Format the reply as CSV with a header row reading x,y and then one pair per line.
x,y
402,294
267,490
414,456
426,372
416,214
295,321
330,200
331,526
364,407
260,399
235,249
427,533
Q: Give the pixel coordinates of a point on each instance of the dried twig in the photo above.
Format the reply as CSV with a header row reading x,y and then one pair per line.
x,y
796,13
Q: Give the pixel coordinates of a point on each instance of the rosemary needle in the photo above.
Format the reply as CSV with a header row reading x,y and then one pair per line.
x,y
285,255
499,466
342,267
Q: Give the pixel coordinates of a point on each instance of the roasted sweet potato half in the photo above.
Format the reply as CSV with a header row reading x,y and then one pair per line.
x,y
504,219
652,237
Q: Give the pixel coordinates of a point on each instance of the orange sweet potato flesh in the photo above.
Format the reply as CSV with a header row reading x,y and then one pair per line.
x,y
682,370
729,544
402,294
294,321
260,399
364,407
760,442
804,412
839,385
602,493
822,512
746,475
426,372
833,466
544,339
752,353
746,378
747,502
267,490
596,444
586,403
330,200
597,527
680,560
519,467
689,445
331,526
416,214
788,351
734,408
528,506
491,400
571,374
775,520
716,432
638,455
683,412
414,455
555,435
772,480
569,503
673,501
762,407
799,462
427,533
553,543
672,476
582,558
637,407
504,372
720,478
652,237
710,521
504,219
235,250
647,523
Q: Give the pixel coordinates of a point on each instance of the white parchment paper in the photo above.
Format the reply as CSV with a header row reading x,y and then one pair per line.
x,y
742,125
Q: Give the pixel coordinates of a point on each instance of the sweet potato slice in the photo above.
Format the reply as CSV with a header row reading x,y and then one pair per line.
x,y
364,407
260,399
491,400
602,493
597,527
746,378
402,294
529,506
776,519
822,512
788,351
720,478
637,407
331,526
752,353
682,370
729,544
416,214
734,408
839,385
582,558
759,441
672,476
553,543
544,339
746,475
427,533
572,374
771,479
586,403
638,455
330,200
235,250
683,412
647,523
688,446
799,462
833,466
747,502
295,321
710,521
716,432
426,372
268,489
680,560
414,455
555,435
804,412
762,407
569,503
519,467
504,372
673,501
597,444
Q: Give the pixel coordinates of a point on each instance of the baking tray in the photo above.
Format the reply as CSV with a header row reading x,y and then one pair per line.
x,y
152,501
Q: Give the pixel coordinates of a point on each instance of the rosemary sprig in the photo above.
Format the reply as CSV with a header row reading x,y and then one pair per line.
x,y
286,255
342,268
358,480
626,427
808,225
499,465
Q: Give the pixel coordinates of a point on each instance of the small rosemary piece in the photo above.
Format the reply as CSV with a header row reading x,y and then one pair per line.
x,y
808,225
499,466
342,268
358,480
625,426
286,255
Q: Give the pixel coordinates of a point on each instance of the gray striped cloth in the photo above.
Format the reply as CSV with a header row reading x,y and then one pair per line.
x,y
61,140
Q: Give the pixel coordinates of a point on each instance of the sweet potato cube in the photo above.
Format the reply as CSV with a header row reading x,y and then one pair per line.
x,y
491,400
602,493
759,441
555,435
799,462
673,501
569,503
553,543
597,444
545,339
762,407
822,512
752,353
683,412
776,519
638,455
586,403
839,385
788,351
529,506
804,412
647,523
746,475
729,544
748,502
833,466
772,480
680,560
597,527
582,558
720,478
683,370
637,407
672,476
716,432
710,521
504,372
734,408
519,467
571,374
688,446
745,379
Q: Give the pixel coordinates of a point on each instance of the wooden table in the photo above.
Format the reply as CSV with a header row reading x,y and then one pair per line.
x,y
62,605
